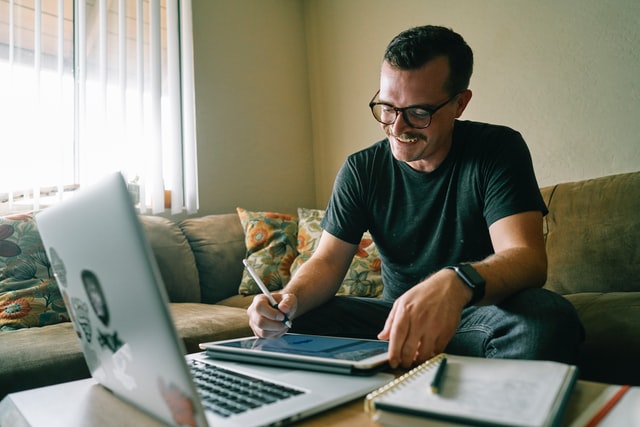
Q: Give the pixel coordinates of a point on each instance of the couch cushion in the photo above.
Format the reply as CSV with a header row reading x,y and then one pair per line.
x,y
198,323
238,301
175,259
217,242
592,235
29,294
270,239
37,357
611,344
363,278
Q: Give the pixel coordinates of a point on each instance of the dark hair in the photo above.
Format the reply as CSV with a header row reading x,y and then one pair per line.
x,y
416,46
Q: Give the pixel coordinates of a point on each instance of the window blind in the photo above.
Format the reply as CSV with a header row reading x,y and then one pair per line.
x,y
96,86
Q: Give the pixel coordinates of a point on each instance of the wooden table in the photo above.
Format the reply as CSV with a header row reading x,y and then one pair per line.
x,y
81,403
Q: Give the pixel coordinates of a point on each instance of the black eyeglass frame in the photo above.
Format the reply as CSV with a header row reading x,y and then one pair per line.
x,y
403,110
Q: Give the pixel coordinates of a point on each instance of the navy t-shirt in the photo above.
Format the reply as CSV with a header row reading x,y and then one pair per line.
x,y
422,222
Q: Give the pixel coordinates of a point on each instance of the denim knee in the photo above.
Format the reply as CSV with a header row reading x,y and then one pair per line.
x,y
532,324
548,327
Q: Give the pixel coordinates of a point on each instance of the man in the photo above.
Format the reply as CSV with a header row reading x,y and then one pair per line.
x,y
455,211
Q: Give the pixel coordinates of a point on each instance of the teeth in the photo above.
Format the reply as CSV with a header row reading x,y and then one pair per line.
x,y
407,140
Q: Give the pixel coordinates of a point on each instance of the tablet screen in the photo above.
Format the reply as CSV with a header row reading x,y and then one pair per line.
x,y
313,346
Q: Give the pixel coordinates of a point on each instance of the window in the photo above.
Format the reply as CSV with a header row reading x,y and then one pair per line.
x,y
94,86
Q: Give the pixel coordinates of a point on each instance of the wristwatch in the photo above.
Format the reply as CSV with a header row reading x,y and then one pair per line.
x,y
472,279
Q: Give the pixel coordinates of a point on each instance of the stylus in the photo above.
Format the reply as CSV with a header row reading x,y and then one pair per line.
x,y
265,291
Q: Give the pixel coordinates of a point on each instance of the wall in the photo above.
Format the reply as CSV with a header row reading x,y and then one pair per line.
x,y
252,106
564,73
282,87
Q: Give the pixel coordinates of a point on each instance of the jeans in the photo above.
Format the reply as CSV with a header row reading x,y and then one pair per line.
x,y
533,324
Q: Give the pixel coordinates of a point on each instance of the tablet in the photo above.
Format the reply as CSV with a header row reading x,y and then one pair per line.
x,y
312,352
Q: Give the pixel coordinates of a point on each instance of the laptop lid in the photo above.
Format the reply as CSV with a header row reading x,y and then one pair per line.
x,y
115,297
118,304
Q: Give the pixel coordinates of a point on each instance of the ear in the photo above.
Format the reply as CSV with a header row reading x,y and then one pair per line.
x,y
462,101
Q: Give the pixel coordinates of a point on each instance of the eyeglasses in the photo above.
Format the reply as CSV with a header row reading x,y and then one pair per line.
x,y
417,116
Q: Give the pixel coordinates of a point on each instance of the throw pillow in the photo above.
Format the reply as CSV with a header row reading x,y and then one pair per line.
x,y
270,239
29,295
363,278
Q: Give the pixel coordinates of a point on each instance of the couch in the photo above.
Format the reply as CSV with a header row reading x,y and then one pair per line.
x,y
592,237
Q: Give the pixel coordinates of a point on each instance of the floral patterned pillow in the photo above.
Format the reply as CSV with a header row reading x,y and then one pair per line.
x,y
363,278
29,294
270,238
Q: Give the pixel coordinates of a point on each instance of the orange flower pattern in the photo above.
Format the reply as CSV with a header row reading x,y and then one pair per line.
x,y
363,278
29,295
270,238
15,308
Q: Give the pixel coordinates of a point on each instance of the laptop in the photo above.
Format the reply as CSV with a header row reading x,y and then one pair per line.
x,y
114,293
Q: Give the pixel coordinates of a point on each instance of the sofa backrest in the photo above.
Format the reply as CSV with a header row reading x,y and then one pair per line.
x,y
592,235
217,242
200,259
175,259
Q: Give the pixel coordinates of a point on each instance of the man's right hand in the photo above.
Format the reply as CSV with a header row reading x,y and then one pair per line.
x,y
266,321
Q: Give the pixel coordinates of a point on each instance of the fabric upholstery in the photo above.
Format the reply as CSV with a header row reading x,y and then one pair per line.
x,y
36,357
218,245
363,278
175,259
611,349
592,235
29,294
270,238
197,323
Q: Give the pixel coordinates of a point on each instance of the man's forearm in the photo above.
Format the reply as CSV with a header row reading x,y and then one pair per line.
x,y
314,283
510,271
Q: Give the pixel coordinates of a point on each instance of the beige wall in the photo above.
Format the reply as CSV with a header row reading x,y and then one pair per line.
x,y
252,106
283,87
564,73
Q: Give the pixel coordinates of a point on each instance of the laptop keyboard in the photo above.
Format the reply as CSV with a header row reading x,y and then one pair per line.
x,y
228,393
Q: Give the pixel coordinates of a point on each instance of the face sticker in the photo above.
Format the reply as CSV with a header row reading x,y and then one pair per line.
x,y
180,405
59,270
81,313
96,296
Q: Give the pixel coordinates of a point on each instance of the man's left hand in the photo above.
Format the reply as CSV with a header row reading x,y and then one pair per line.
x,y
424,319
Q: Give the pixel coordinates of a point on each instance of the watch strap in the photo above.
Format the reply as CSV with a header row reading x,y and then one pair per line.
x,y
472,279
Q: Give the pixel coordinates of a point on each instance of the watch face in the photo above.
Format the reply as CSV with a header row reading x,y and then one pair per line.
x,y
472,279
472,274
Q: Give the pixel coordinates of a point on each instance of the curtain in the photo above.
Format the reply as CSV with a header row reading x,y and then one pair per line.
x,y
110,87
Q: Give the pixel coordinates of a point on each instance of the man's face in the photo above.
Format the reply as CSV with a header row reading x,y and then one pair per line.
x,y
422,149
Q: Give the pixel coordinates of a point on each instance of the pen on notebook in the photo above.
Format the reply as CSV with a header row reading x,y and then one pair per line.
x,y
436,383
265,290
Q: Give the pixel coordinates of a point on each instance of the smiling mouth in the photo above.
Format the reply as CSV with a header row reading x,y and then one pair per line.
x,y
406,140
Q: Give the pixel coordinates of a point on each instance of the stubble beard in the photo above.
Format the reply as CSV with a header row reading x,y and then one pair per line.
x,y
407,147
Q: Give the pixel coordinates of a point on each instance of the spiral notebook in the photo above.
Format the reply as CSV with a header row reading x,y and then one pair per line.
x,y
477,391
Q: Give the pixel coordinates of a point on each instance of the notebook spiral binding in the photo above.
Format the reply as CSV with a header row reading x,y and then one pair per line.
x,y
369,404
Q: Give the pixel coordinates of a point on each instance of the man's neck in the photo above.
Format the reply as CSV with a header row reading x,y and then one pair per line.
x,y
432,162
